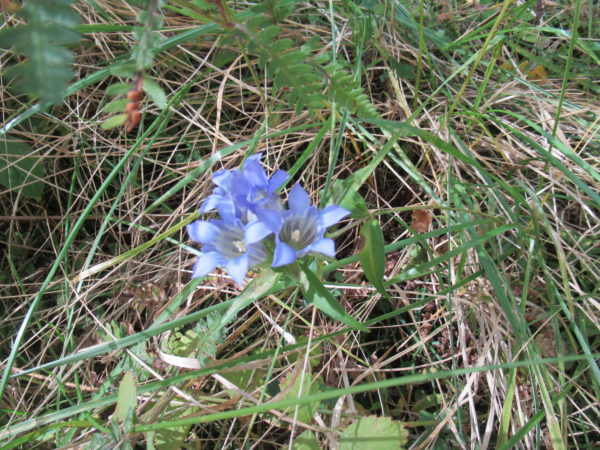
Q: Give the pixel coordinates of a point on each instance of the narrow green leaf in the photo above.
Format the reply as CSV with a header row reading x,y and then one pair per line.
x,y
257,289
114,122
155,92
319,295
58,417
372,255
127,399
507,409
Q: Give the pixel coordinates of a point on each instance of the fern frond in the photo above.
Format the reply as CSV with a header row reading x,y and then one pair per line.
x,y
312,83
42,40
347,92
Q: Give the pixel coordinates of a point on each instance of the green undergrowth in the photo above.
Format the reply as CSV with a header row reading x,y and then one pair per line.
x,y
462,308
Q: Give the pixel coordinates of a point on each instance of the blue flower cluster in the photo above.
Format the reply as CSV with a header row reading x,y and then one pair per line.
x,y
254,225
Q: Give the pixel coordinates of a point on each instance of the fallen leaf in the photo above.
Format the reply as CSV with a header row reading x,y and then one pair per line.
x,y
538,73
421,219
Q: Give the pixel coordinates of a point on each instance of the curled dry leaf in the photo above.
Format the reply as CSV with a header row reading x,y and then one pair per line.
x,y
421,219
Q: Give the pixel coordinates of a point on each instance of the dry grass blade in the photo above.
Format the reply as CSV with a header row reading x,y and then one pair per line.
x,y
482,168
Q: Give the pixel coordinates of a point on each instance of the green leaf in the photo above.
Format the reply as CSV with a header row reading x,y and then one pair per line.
x,y
371,432
199,343
342,194
345,193
347,92
270,33
245,379
118,89
174,438
123,70
127,399
115,106
372,254
114,122
19,171
319,295
41,39
155,92
307,440
256,289
299,386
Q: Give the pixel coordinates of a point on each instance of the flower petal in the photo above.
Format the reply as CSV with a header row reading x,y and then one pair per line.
x,y
223,178
227,210
202,231
284,255
332,214
257,253
255,174
211,202
252,158
324,246
256,232
271,218
237,269
277,180
206,263
298,199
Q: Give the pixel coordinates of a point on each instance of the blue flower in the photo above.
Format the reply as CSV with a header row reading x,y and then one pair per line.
x,y
299,230
249,189
224,244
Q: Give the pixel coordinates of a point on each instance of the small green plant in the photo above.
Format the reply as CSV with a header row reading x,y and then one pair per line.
x,y
256,231
142,57
43,40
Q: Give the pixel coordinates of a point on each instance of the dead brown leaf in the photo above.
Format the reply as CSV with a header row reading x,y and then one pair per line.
x,y
421,220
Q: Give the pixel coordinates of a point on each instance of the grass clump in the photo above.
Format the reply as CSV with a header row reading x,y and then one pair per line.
x,y
464,140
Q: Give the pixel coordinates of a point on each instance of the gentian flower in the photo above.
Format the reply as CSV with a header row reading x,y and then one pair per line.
x,y
299,230
224,179
224,244
249,188
262,193
250,210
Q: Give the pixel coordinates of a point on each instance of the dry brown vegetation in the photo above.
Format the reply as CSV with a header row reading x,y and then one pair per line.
x,y
493,263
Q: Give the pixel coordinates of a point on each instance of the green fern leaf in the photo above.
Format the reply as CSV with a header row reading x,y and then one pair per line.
x,y
347,92
308,81
42,40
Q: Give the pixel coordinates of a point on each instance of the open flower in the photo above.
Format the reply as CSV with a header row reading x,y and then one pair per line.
x,y
299,230
224,244
249,188
250,211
